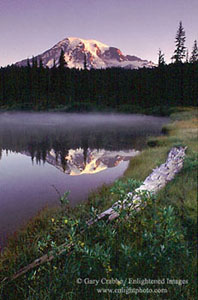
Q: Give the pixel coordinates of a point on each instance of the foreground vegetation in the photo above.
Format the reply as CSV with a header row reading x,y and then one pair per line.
x,y
158,243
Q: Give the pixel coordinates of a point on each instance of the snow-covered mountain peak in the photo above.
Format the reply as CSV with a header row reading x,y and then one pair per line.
x,y
89,44
80,161
98,55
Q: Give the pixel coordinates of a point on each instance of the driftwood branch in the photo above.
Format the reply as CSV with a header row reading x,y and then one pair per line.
x,y
153,183
39,261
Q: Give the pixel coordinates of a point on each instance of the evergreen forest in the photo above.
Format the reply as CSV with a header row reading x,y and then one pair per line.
x,y
39,88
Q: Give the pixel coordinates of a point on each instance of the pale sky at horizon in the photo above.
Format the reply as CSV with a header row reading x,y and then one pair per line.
x,y
136,27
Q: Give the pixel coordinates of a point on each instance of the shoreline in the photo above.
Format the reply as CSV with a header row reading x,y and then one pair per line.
x,y
129,109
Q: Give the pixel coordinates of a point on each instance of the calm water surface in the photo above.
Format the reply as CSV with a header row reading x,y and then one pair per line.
x,y
42,153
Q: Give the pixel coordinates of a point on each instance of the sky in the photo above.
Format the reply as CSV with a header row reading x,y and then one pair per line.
x,y
136,27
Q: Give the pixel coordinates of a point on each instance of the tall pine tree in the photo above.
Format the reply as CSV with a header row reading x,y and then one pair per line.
x,y
62,62
85,62
194,54
28,63
40,63
161,60
187,56
180,50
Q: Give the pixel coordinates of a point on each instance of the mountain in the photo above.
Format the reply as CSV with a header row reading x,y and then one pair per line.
x,y
98,55
79,161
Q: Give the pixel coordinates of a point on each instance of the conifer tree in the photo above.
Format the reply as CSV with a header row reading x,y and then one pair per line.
x,y
194,54
187,56
85,62
34,62
28,63
54,64
62,62
161,60
180,50
40,63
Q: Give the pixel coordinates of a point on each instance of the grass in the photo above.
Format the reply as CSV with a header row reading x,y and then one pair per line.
x,y
157,243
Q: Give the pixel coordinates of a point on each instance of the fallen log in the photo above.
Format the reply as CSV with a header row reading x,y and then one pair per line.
x,y
153,183
39,261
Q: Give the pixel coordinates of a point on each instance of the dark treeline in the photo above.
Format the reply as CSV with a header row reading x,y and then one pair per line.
x,y
40,88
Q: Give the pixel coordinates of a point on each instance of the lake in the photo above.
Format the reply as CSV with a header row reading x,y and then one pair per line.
x,y
45,154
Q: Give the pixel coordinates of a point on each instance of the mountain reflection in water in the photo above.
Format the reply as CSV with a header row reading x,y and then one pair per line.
x,y
42,153
76,141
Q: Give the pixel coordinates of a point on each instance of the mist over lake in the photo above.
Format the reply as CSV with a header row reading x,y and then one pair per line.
x,y
42,153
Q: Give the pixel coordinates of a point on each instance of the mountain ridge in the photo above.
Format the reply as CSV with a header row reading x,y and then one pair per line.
x,y
98,55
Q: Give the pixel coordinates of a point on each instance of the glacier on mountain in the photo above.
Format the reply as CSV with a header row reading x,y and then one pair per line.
x,y
98,55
